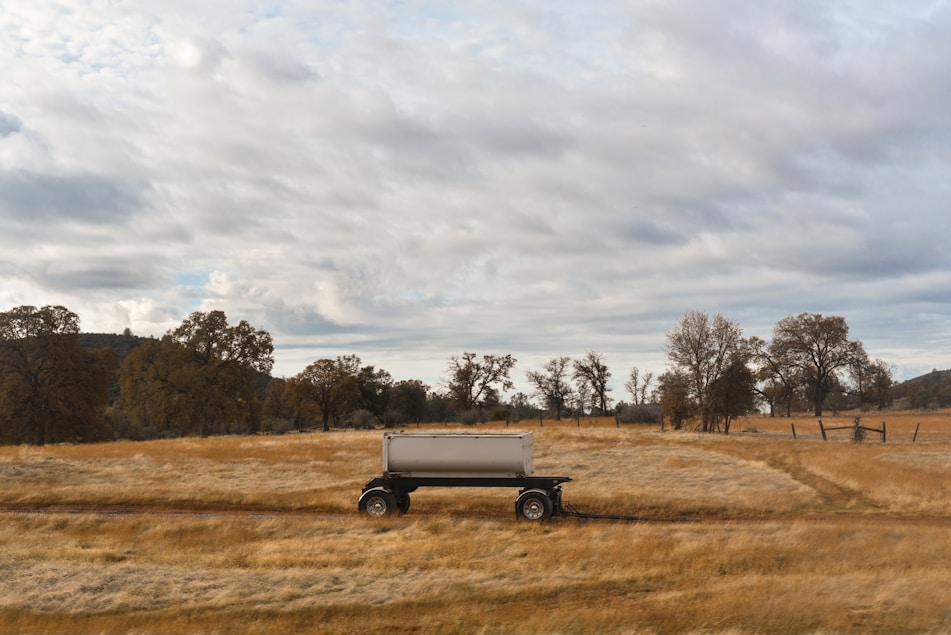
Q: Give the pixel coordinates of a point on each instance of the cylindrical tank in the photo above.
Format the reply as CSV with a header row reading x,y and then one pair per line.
x,y
502,455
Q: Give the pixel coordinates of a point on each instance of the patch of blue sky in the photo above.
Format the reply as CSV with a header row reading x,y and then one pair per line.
x,y
192,286
9,124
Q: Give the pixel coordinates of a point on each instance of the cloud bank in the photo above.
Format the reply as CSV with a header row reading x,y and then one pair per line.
x,y
408,181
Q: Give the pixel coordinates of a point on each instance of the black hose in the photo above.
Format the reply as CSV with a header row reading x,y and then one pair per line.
x,y
567,509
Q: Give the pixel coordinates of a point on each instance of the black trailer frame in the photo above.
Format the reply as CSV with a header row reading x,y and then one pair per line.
x,y
539,497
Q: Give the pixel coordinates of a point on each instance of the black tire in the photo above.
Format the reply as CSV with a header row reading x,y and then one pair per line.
x,y
534,505
402,503
378,503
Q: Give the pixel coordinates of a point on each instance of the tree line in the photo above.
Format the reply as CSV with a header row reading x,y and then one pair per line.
x,y
716,374
208,376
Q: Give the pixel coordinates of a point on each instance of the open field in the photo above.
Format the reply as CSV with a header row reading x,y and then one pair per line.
x,y
260,535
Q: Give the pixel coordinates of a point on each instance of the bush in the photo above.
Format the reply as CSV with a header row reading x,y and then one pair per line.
x,y
393,419
279,426
642,413
500,413
472,417
361,420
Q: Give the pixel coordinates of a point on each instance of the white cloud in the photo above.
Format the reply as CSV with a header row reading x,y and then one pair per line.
x,y
408,181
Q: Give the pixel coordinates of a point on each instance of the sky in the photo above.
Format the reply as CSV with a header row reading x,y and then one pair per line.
x,y
410,180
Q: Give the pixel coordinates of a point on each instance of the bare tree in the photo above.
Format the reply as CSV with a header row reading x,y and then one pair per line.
x,y
472,382
593,372
552,384
703,348
582,398
639,385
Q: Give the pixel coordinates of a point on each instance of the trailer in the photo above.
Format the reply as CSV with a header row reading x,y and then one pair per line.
x,y
411,461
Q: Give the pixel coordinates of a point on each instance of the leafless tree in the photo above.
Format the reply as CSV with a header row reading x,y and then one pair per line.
x,y
592,372
638,385
703,348
473,381
553,384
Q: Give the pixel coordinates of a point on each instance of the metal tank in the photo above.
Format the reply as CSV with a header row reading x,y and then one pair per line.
x,y
489,455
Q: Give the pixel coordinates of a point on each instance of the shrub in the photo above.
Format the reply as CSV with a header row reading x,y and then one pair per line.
x,y
472,417
500,413
279,425
361,420
393,418
641,413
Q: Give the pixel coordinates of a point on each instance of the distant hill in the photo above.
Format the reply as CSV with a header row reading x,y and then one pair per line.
x,y
121,344
932,390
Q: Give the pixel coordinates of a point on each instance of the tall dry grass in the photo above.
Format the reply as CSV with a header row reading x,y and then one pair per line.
x,y
796,536
447,575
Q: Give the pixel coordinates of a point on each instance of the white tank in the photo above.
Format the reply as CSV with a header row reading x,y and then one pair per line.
x,y
500,455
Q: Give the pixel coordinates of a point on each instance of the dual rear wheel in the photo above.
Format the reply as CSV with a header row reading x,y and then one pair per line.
x,y
379,503
535,505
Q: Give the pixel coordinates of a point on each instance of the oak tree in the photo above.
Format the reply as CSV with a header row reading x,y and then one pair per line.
x,y
51,389
374,386
327,388
676,404
872,381
199,378
819,347
733,393
407,402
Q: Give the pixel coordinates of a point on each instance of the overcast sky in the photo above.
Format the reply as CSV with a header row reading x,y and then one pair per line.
x,y
411,180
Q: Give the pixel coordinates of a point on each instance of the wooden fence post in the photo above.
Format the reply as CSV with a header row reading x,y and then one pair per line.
x,y
914,439
793,426
823,431
883,432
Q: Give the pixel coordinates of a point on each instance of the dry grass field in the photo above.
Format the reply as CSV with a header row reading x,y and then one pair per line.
x,y
260,535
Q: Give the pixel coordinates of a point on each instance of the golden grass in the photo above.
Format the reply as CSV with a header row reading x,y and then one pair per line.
x,y
797,536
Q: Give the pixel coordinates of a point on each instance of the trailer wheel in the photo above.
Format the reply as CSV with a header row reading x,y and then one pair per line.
x,y
534,505
378,503
403,503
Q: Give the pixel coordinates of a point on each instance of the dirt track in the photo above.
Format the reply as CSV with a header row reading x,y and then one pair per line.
x,y
81,509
